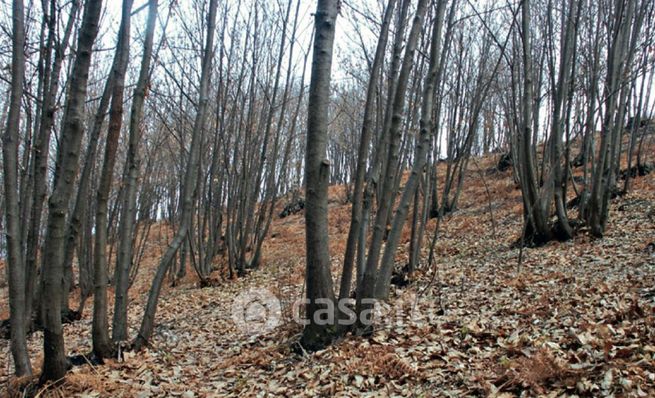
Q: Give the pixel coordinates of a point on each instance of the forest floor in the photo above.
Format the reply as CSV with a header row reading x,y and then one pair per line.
x,y
576,318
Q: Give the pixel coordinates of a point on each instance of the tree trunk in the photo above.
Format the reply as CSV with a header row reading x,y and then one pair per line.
x,y
422,146
380,148
102,346
319,332
41,151
190,178
130,176
362,154
367,289
81,207
54,363
15,262
560,95
636,121
620,53
535,216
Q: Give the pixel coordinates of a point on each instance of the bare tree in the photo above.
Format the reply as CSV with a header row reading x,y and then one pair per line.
x,y
624,31
10,139
320,294
190,179
366,290
54,363
41,148
362,154
130,176
102,346
420,158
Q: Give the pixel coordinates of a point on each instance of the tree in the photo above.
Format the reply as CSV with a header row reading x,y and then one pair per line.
x,y
54,363
362,154
102,347
17,282
41,148
536,208
624,30
420,159
82,205
366,289
190,180
318,332
130,175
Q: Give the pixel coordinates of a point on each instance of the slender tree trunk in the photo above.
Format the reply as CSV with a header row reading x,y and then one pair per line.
x,y
41,154
15,262
130,176
54,363
319,333
85,259
274,187
81,207
620,53
414,244
362,154
380,148
190,178
561,94
636,122
269,161
586,152
537,228
102,346
422,146
367,289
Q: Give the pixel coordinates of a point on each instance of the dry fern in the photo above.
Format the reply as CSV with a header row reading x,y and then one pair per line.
x,y
534,372
394,367
16,386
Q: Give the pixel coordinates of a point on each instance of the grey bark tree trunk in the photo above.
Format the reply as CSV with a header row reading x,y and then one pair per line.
x,y
318,277
537,227
130,176
81,208
16,268
41,150
102,346
560,95
367,288
190,178
266,218
636,120
620,53
420,159
360,172
373,176
54,363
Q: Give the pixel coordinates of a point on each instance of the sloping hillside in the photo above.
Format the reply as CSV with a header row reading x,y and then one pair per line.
x,y
574,318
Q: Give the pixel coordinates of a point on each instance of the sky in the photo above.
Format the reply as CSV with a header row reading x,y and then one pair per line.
x,y
346,37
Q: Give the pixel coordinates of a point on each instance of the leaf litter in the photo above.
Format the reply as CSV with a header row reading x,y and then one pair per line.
x,y
575,319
